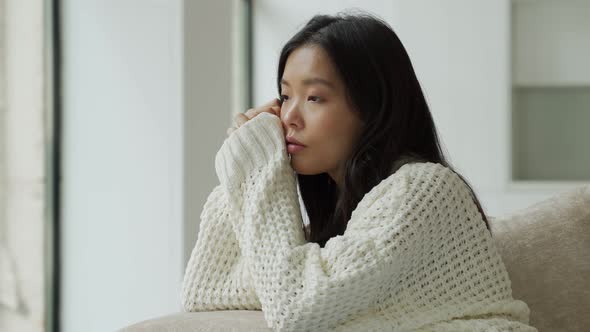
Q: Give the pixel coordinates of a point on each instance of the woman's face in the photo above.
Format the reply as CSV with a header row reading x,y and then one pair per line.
x,y
315,111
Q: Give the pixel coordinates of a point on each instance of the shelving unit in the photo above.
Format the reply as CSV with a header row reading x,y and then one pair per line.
x,y
550,115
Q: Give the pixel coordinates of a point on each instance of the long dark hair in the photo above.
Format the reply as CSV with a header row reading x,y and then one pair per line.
x,y
382,86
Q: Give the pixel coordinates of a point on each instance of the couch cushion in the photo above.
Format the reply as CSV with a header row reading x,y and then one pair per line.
x,y
546,250
209,321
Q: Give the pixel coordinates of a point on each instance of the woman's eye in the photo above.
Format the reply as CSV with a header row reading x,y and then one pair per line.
x,y
312,98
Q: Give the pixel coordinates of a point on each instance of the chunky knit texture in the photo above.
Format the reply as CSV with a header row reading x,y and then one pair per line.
x,y
416,255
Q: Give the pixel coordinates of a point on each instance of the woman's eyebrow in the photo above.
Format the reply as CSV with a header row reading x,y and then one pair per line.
x,y
310,81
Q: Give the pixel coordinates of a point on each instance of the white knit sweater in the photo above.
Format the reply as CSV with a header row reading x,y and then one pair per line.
x,y
415,256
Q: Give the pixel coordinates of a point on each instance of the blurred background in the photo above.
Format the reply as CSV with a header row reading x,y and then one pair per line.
x,y
111,113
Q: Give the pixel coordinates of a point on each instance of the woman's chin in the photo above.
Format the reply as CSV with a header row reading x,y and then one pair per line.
x,y
296,165
302,169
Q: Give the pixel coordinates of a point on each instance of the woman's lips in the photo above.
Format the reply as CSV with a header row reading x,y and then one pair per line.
x,y
294,148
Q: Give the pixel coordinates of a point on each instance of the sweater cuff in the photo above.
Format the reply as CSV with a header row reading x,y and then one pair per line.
x,y
253,145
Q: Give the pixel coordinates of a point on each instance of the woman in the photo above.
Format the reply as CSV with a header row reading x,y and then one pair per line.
x,y
397,240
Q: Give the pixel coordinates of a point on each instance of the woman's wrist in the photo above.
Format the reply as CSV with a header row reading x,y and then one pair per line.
x,y
253,145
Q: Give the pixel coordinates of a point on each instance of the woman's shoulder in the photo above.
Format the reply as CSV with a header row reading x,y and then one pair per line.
x,y
410,184
435,182
419,174
415,168
400,186
409,178
396,184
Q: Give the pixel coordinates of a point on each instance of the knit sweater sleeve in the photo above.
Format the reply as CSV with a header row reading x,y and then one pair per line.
x,y
215,277
301,286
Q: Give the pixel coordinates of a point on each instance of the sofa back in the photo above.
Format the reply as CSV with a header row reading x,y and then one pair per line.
x,y
546,250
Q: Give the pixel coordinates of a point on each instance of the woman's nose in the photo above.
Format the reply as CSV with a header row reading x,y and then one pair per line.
x,y
290,115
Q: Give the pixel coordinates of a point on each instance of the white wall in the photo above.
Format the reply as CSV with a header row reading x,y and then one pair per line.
x,y
461,52
122,171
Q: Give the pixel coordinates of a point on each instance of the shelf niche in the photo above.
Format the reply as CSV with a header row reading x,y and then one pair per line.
x,y
550,90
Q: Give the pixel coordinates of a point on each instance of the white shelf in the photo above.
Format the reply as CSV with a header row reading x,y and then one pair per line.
x,y
550,112
551,42
563,85
550,186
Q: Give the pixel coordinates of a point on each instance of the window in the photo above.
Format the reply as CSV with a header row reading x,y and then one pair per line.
x,y
27,282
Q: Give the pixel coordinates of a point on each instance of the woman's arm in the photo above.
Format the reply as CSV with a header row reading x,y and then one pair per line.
x,y
301,286
215,277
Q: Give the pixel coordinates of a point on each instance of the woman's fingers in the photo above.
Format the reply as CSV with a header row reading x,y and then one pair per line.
x,y
276,110
273,102
273,107
251,113
240,119
273,110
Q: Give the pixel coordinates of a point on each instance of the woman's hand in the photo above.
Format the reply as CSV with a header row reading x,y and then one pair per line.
x,y
273,107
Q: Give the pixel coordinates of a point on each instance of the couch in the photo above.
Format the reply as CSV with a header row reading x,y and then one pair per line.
x,y
546,250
